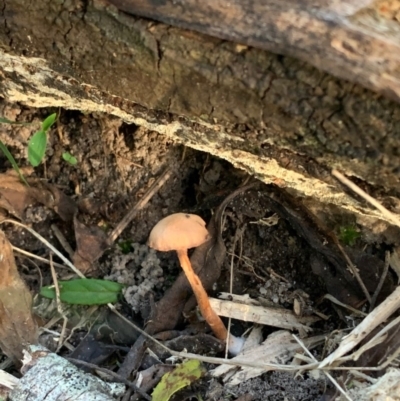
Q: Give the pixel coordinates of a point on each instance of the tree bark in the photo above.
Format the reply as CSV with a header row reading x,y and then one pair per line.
x,y
353,39
277,117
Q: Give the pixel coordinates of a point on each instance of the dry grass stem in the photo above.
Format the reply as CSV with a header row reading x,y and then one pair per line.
x,y
59,305
376,339
235,240
355,188
39,258
144,200
381,281
330,377
217,361
62,240
373,320
355,272
357,312
45,242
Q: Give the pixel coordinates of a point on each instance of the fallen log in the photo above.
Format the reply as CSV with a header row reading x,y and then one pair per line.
x,y
277,117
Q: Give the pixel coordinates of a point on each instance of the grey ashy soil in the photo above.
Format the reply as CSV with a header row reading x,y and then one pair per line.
x,y
116,164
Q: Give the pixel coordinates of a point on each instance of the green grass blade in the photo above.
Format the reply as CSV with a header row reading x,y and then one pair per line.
x,y
37,148
49,121
14,164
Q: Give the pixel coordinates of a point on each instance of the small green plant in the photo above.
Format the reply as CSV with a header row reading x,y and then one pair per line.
x,y
348,235
38,142
85,291
69,158
36,146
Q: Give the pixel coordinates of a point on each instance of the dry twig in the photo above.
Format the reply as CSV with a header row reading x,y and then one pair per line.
x,y
331,378
45,242
373,320
33,256
139,206
354,270
350,308
381,281
62,240
355,188
231,284
59,305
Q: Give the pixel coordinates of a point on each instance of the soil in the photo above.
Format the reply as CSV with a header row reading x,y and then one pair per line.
x,y
116,164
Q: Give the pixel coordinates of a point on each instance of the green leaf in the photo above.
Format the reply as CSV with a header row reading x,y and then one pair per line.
x,y
37,148
183,375
69,158
14,164
49,121
85,291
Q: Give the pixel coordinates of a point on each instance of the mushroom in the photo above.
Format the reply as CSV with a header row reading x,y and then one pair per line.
x,y
180,232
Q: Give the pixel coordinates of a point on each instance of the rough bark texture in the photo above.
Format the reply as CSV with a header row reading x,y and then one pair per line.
x,y
277,117
352,39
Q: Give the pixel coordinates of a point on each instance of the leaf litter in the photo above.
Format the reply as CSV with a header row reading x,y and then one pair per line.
x,y
296,241
17,324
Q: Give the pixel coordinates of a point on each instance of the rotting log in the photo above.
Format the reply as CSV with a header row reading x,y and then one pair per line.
x,y
352,39
279,118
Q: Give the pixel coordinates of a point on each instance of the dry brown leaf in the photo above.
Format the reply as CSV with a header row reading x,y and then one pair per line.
x,y
15,197
17,326
90,243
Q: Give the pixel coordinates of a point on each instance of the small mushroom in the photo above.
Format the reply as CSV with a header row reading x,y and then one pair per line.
x,y
180,232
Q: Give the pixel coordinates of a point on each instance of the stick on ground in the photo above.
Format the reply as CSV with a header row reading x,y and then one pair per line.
x,y
388,214
373,320
139,206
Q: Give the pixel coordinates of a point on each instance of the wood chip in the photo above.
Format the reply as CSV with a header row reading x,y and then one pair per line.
x,y
277,317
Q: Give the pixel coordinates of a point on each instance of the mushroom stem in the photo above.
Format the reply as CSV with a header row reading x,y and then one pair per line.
x,y
214,321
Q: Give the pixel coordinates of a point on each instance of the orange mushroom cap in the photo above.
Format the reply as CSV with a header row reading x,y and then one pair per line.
x,y
178,231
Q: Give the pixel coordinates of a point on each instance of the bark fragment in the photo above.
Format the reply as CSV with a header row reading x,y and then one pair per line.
x,y
48,376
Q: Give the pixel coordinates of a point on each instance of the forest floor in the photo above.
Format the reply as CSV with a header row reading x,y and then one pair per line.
x,y
273,250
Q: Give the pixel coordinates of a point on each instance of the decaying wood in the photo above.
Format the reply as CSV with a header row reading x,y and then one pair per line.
x,y
7,383
49,376
353,39
277,317
386,388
